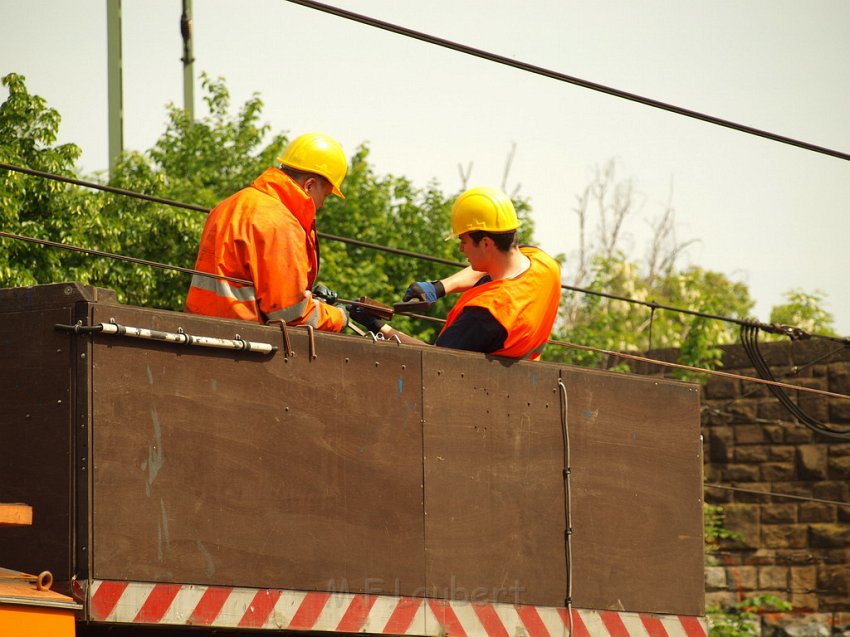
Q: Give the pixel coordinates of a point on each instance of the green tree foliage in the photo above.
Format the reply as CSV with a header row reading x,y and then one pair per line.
x,y
203,161
29,205
804,310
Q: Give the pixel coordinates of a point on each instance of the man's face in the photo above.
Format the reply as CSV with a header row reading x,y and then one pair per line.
x,y
318,188
474,252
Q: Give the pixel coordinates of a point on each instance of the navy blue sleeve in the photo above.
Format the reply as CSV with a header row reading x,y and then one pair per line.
x,y
475,330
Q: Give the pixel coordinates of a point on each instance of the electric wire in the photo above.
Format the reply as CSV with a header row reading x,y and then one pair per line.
x,y
568,505
790,331
749,340
119,257
562,77
726,487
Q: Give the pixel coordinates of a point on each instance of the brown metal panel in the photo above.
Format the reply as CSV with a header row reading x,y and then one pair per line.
x,y
241,469
636,485
35,433
494,491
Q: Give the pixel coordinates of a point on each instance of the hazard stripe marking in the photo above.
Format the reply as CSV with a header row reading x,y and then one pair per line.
x,y
309,611
157,603
104,598
269,609
402,617
446,618
209,606
356,614
260,609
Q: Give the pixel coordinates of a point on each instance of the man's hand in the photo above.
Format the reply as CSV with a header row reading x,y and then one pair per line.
x,y
428,291
365,318
325,294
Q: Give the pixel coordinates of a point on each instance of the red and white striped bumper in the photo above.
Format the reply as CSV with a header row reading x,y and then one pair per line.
x,y
224,607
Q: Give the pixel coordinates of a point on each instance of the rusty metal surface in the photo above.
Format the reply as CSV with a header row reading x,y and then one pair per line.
x,y
35,430
494,525
255,471
636,493
374,467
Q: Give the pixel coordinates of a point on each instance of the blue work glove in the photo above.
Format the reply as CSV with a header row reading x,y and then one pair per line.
x,y
365,318
428,291
325,294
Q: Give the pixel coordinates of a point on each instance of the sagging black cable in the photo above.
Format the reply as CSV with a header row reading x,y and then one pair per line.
x,y
749,339
562,77
793,332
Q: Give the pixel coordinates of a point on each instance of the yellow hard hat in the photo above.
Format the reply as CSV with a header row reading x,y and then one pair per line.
x,y
483,208
317,153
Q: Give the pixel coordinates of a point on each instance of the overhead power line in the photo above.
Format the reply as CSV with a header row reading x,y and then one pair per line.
x,y
773,328
562,77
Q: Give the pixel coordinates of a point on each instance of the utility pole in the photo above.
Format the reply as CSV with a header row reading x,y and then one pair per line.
x,y
188,60
114,81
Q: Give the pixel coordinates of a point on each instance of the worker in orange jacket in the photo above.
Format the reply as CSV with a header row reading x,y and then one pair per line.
x,y
510,294
266,234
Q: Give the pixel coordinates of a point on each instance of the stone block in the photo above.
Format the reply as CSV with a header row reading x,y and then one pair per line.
x,y
843,514
796,557
842,449
822,535
720,387
720,443
803,602
812,462
721,599
781,453
760,557
741,473
715,578
774,433
804,579
817,512
742,578
802,489
777,471
796,432
838,491
746,434
743,519
753,498
751,453
773,410
778,513
782,536
773,577
815,406
834,580
839,378
839,410
839,468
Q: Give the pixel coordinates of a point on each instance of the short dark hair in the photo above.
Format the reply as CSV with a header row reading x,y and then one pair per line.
x,y
504,240
302,175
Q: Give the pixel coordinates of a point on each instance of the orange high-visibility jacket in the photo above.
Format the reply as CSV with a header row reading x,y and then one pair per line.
x,y
264,233
526,305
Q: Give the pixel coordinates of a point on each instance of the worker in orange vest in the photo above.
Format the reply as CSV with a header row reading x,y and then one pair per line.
x,y
266,234
510,294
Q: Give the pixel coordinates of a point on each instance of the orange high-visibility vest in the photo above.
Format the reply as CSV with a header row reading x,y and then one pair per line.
x,y
526,305
264,233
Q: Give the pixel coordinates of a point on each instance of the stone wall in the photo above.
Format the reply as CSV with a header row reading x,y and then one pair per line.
x,y
795,549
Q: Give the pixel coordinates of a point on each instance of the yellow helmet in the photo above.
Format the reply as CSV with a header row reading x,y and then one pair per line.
x,y
483,208
317,153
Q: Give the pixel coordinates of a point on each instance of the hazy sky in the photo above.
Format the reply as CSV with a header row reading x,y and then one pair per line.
x,y
771,215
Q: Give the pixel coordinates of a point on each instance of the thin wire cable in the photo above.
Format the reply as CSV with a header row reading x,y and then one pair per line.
x,y
568,505
562,77
726,487
772,328
120,257
700,370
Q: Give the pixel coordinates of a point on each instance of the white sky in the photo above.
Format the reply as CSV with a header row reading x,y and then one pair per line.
x,y
774,216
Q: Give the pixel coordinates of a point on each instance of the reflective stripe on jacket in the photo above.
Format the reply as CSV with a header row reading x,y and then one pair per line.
x,y
266,234
526,305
